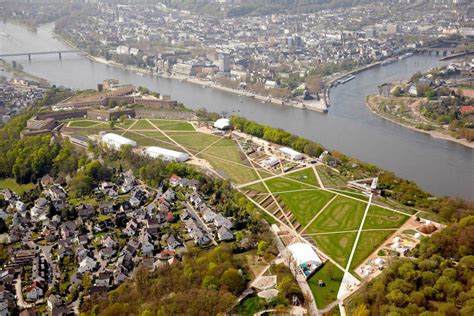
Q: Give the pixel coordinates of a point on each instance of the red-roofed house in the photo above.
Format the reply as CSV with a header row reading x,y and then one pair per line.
x,y
467,109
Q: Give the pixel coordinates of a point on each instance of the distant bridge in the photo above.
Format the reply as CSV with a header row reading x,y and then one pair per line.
x,y
29,54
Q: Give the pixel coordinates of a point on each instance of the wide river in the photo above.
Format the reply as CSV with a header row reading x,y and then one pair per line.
x,y
439,166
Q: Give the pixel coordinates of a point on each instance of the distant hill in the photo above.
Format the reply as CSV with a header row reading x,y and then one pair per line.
x,y
258,7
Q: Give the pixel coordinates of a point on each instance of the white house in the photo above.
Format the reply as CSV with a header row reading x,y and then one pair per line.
x,y
87,265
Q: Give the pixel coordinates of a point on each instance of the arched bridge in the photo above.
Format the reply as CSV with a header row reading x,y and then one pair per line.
x,y
29,54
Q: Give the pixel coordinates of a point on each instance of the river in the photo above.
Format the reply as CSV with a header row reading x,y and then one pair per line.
x,y
439,166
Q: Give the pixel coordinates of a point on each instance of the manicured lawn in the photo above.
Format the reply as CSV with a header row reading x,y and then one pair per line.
x,y
306,204
338,246
341,215
151,139
282,184
142,124
256,187
226,149
193,141
126,123
11,184
378,217
87,123
368,242
332,277
173,125
305,175
238,173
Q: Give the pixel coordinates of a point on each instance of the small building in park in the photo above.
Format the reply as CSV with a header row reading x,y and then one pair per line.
x,y
305,258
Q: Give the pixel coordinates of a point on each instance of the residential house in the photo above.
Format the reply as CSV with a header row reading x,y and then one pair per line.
x,y
220,220
224,234
87,265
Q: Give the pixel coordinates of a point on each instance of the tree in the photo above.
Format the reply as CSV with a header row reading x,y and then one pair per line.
x,y
361,310
233,281
262,247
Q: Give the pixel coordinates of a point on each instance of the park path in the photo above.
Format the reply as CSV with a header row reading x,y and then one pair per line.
x,y
359,232
316,173
266,188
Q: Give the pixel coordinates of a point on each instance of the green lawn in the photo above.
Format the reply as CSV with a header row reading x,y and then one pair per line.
x,y
282,184
378,217
356,195
368,242
238,173
305,175
169,125
306,204
149,139
87,123
195,142
341,215
332,277
142,124
256,187
226,149
338,246
11,184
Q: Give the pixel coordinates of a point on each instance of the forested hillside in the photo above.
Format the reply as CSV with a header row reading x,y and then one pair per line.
x,y
438,281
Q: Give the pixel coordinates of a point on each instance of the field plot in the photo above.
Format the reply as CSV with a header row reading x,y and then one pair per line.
x,y
151,139
336,245
306,204
369,241
194,141
172,125
332,278
343,214
330,178
237,172
142,124
378,217
306,175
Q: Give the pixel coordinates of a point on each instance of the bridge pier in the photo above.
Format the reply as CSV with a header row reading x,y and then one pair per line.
x,y
60,57
29,57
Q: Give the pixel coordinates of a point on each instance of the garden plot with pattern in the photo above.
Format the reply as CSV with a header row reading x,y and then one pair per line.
x,y
329,218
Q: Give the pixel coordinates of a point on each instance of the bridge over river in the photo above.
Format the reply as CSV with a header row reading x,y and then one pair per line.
x,y
29,54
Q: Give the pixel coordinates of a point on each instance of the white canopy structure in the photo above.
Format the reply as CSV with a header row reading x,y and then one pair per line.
x,y
222,124
116,141
166,154
305,257
293,154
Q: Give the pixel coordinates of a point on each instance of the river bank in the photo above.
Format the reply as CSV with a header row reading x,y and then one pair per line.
x,y
313,105
434,133
20,74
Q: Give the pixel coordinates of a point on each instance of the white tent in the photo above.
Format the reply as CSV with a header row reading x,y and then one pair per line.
x,y
116,141
305,257
222,124
166,154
